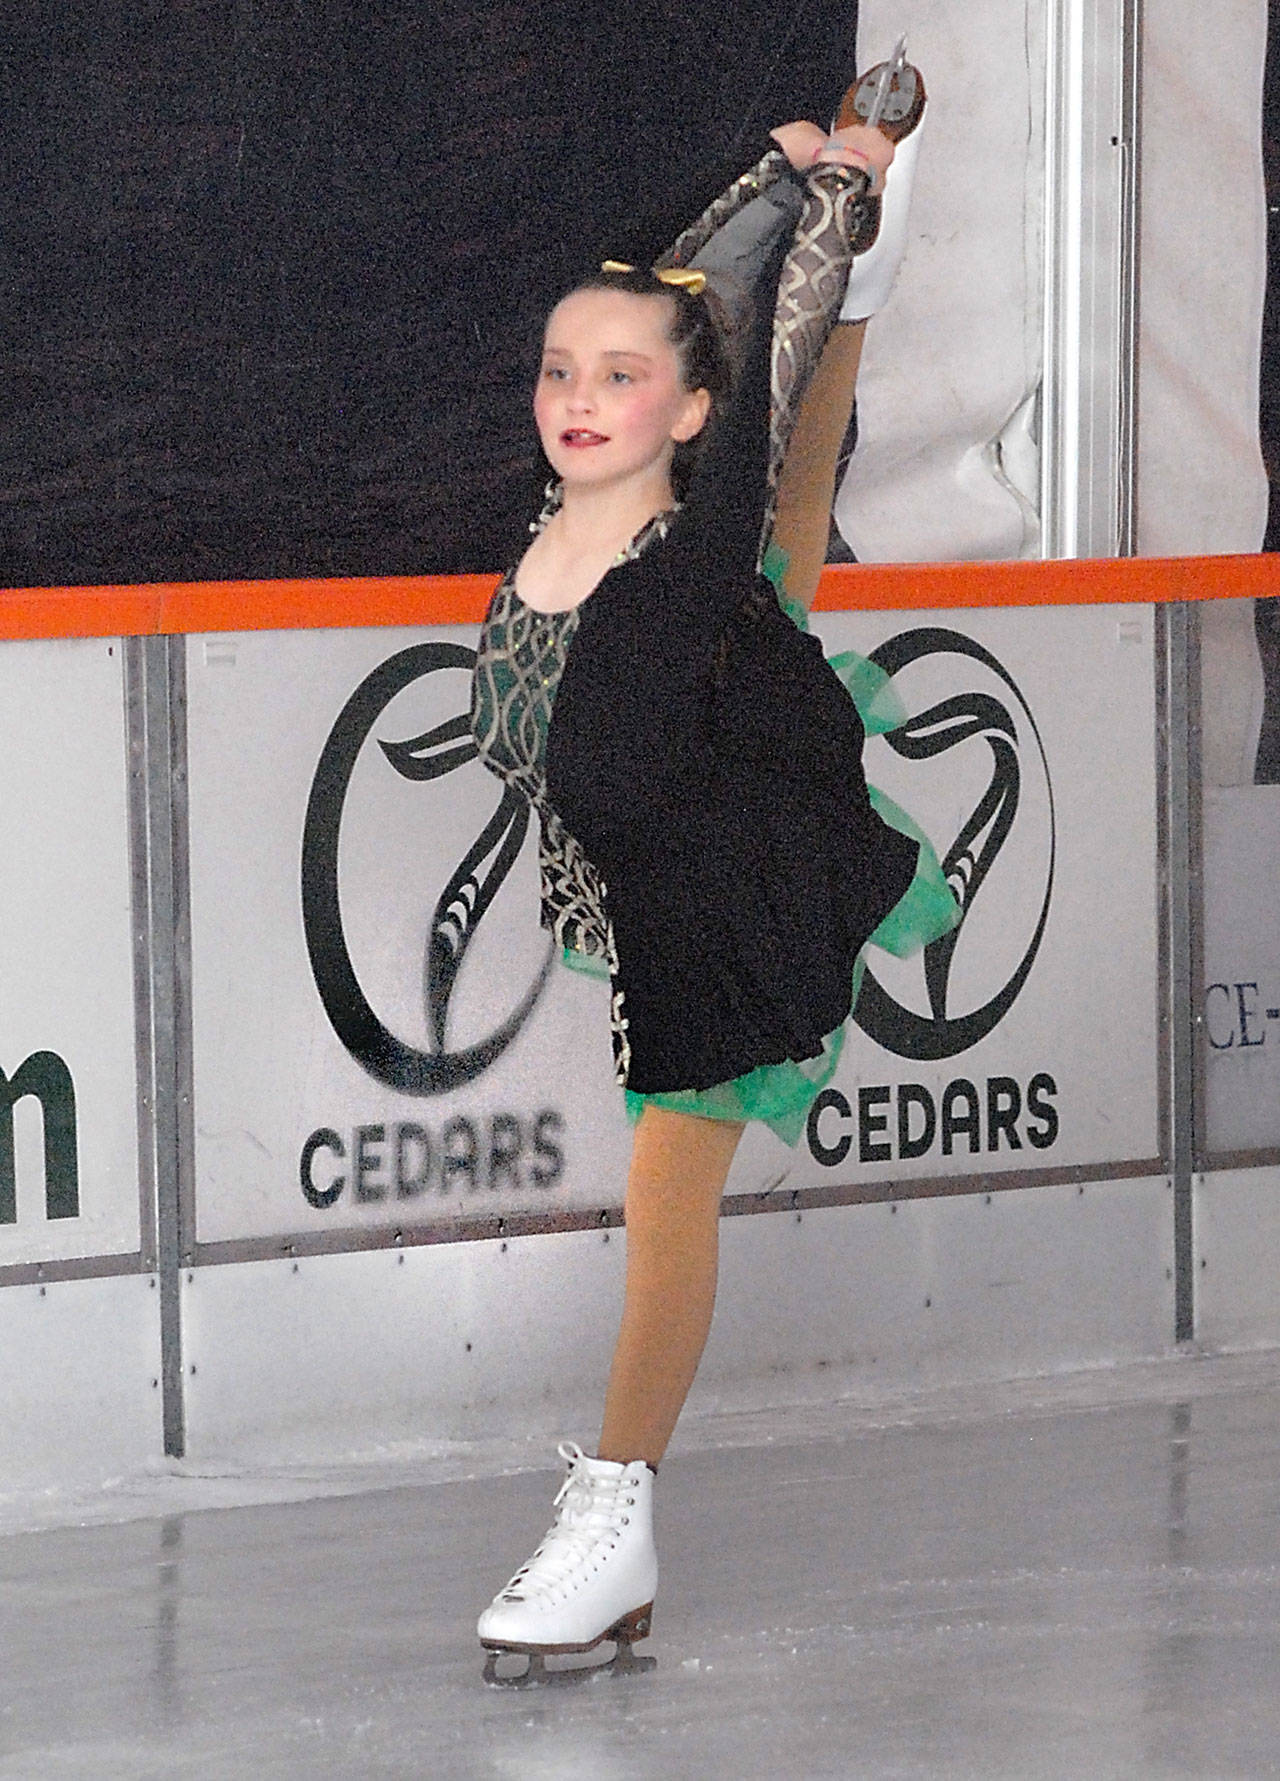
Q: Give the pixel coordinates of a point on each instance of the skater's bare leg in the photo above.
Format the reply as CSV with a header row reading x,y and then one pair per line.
x,y
679,1166
806,488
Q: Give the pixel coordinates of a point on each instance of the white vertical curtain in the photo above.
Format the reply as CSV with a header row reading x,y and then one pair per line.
x,y
946,461
945,465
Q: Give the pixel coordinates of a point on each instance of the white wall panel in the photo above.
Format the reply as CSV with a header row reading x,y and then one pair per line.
x,y
66,941
270,1068
80,1382
937,1290
352,1353
1079,703
1237,1258
349,1353
1202,485
1038,708
1241,1007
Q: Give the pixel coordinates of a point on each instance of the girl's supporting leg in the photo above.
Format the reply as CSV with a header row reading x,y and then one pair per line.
x,y
678,1170
807,484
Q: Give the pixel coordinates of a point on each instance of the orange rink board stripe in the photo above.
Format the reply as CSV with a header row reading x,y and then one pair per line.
x,y
172,608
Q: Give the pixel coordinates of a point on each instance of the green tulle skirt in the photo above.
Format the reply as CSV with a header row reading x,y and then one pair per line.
x,y
781,1095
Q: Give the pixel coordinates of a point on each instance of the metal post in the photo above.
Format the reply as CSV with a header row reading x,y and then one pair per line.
x,y
1181,814
1130,147
155,693
1090,277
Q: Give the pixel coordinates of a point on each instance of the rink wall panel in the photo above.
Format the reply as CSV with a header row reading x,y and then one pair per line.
x,y
1237,1245
80,1350
346,1296
911,1293
80,1363
360,1354
69,1154
385,1049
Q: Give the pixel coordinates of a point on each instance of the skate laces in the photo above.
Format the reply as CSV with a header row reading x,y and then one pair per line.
x,y
591,1509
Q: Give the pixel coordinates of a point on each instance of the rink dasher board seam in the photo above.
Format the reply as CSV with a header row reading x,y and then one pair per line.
x,y
80,1267
358,1239
1222,1162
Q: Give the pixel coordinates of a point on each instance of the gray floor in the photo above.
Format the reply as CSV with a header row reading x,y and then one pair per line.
x,y
1071,1578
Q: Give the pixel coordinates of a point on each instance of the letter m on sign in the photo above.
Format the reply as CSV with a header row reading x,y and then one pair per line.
x,y
45,1076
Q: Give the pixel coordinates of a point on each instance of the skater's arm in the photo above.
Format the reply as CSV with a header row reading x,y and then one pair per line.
x,y
772,166
789,150
812,285
728,505
713,551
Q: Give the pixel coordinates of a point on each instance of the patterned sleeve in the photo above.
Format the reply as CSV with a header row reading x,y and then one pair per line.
x,y
770,168
833,225
828,216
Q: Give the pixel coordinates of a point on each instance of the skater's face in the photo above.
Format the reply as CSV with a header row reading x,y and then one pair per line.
x,y
611,402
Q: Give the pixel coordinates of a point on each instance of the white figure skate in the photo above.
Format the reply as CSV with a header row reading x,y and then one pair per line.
x,y
593,1577
892,98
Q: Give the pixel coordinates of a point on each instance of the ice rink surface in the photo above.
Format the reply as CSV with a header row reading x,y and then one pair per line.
x,y
1074,1577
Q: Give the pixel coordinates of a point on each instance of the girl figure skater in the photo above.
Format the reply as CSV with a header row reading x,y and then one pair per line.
x,y
707,833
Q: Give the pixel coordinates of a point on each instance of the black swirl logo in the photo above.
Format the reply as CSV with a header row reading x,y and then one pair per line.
x,y
999,724
471,888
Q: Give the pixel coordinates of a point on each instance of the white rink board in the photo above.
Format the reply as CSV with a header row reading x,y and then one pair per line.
x,y
1237,1237
270,1069
1078,1042
1241,1007
66,959
296,1361
82,1400
540,1129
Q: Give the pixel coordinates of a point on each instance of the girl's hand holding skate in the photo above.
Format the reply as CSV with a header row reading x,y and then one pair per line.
x,y
857,145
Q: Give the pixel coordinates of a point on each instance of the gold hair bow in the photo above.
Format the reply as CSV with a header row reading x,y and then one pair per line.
x,y
686,277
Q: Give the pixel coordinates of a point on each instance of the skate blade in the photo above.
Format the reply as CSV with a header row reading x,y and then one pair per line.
x,y
624,1662
535,1673
901,104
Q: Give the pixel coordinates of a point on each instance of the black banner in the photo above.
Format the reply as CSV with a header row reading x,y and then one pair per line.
x,y
275,272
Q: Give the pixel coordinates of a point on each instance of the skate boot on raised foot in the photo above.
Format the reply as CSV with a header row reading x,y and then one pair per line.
x,y
892,99
593,1577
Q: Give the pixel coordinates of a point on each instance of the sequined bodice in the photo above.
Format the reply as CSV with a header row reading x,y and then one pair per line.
x,y
521,658
519,663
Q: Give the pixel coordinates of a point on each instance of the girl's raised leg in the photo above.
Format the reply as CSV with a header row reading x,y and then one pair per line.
x,y
807,485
